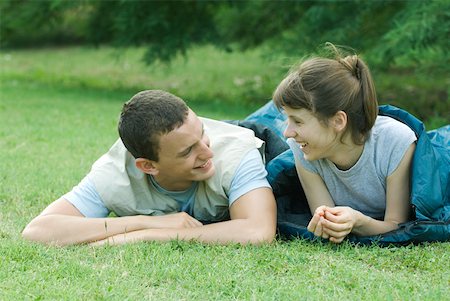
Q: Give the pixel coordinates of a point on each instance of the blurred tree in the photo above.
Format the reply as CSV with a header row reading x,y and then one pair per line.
x,y
27,23
167,28
248,24
389,33
401,37
418,39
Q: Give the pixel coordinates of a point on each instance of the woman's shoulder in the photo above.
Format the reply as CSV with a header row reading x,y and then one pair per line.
x,y
388,130
389,126
389,141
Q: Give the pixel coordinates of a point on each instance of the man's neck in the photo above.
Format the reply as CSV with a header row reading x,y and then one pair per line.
x,y
171,186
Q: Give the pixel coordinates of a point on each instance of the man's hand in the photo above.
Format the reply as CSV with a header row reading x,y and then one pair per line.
x,y
62,224
175,221
253,221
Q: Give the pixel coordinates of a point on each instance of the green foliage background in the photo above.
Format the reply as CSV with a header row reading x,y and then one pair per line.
x,y
390,33
407,40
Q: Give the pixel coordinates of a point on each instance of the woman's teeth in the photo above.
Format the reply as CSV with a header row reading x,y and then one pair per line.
x,y
204,165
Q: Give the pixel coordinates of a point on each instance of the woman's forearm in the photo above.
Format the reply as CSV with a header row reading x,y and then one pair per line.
x,y
366,225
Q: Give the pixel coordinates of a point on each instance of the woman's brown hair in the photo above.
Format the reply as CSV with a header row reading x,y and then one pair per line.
x,y
325,86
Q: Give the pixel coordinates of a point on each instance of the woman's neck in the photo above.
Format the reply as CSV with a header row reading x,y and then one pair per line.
x,y
347,154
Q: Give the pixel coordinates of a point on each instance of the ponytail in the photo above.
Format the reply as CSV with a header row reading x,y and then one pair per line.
x,y
368,94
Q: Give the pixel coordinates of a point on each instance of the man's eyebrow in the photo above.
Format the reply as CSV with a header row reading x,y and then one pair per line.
x,y
186,150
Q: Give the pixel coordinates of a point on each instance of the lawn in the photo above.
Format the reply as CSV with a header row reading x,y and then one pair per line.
x,y
58,112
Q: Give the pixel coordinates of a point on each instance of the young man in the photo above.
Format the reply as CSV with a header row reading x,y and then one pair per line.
x,y
172,175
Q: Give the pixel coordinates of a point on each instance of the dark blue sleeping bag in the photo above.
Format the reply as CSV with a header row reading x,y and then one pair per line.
x,y
430,195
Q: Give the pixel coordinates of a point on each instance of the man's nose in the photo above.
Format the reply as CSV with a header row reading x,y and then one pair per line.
x,y
205,148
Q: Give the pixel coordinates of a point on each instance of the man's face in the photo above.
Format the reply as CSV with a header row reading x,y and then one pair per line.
x,y
184,156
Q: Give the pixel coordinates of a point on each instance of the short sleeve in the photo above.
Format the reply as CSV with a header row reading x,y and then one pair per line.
x,y
392,140
250,174
86,199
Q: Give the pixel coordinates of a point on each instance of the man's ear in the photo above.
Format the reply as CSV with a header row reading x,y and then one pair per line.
x,y
339,121
147,166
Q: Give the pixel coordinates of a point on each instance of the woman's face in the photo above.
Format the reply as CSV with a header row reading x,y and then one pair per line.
x,y
316,140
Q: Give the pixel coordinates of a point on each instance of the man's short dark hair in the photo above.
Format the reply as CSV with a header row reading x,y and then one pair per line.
x,y
145,117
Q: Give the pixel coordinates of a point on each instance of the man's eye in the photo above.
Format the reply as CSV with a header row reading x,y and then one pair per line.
x,y
187,152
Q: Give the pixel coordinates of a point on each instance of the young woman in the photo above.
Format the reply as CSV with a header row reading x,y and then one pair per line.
x,y
354,165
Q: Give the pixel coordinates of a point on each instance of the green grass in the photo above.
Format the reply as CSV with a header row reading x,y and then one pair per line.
x,y
209,76
51,132
295,270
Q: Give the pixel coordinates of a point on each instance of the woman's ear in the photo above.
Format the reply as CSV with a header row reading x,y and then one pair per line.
x,y
147,166
339,121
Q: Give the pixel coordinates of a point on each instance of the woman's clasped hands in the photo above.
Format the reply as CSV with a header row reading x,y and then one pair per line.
x,y
333,223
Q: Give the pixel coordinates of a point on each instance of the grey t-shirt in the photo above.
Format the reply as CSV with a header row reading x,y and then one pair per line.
x,y
363,186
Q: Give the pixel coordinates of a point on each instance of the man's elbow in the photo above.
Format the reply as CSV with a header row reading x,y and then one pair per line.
x,y
262,235
265,238
34,232
30,232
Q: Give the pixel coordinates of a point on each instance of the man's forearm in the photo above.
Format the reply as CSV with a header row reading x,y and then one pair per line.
x,y
242,231
67,230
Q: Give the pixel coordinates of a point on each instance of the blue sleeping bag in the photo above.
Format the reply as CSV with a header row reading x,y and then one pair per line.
x,y
430,194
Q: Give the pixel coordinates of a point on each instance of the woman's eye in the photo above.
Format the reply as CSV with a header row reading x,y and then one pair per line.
x,y
295,121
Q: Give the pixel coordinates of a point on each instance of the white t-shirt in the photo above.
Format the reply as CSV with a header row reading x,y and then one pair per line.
x,y
250,174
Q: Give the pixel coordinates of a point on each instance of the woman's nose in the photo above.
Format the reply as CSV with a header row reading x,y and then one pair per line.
x,y
289,131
